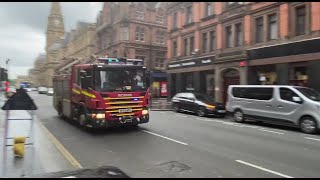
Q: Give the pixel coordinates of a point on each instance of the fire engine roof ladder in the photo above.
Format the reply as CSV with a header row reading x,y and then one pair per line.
x,y
18,101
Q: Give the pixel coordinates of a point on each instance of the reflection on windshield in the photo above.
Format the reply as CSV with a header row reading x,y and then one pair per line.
x,y
121,80
310,93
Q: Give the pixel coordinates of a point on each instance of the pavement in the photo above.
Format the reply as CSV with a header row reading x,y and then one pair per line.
x,y
43,157
182,145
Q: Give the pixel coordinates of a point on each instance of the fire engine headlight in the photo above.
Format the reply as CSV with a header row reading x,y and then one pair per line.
x,y
144,112
100,116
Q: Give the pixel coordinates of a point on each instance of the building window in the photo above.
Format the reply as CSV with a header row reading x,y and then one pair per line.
x,y
175,49
273,27
160,17
208,8
259,29
185,45
191,45
124,34
300,20
140,13
189,15
204,42
239,36
160,37
139,34
229,37
159,62
140,57
212,40
175,20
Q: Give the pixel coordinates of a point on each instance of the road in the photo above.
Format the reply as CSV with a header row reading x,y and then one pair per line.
x,y
184,145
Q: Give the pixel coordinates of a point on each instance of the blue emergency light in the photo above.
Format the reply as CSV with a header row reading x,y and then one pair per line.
x,y
108,60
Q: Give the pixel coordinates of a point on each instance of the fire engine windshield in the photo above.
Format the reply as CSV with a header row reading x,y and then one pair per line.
x,y
121,80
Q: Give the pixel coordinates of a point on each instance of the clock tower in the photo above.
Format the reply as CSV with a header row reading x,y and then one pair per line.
x,y
55,28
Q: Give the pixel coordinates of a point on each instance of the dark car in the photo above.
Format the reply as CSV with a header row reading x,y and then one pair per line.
x,y
198,103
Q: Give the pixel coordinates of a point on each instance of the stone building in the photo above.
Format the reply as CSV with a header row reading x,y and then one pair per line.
x,y
61,46
212,45
37,76
54,36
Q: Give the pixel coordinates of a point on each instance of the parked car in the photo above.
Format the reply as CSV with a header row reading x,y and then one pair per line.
x,y
198,103
42,90
28,89
50,92
34,89
285,105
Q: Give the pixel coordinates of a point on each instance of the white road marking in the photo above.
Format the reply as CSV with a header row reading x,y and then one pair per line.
x,y
270,131
264,169
312,138
165,137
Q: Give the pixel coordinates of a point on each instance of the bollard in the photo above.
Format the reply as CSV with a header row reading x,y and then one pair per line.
x,y
19,146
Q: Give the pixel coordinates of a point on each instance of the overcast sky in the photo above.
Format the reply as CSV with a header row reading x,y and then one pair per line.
x,y
23,28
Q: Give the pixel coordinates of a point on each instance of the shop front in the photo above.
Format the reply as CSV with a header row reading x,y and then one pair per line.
x,y
159,84
296,63
191,75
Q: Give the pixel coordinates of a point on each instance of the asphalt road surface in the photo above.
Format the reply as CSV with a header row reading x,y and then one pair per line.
x,y
184,145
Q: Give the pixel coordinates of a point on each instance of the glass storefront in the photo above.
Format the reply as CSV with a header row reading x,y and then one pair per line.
x,y
298,76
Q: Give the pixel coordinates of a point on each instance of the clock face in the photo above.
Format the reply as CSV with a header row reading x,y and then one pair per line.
x,y
56,22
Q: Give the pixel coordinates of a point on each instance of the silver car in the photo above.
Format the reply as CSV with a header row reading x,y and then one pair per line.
x,y
285,105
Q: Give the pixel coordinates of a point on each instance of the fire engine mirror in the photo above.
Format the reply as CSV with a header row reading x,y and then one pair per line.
x,y
148,77
83,73
84,82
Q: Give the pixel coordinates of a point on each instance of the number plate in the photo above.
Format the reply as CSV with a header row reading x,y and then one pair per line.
x,y
125,110
222,111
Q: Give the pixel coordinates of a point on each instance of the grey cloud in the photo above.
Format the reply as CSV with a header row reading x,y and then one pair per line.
x,y
23,27
35,14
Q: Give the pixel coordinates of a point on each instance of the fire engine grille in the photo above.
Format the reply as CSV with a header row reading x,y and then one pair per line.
x,y
123,106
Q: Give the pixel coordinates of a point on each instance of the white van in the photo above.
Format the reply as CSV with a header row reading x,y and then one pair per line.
x,y
284,105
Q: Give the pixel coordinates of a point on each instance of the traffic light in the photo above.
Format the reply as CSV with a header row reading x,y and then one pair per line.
x,y
18,146
3,74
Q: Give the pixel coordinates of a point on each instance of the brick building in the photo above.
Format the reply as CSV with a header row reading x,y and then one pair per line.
x,y
212,45
134,30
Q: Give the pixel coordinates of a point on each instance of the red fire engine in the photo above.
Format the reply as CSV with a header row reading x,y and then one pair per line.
x,y
111,92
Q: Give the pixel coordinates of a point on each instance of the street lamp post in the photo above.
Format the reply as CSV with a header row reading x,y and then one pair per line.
x,y
7,63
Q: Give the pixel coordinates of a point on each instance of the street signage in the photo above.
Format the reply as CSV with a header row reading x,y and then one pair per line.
x,y
194,62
